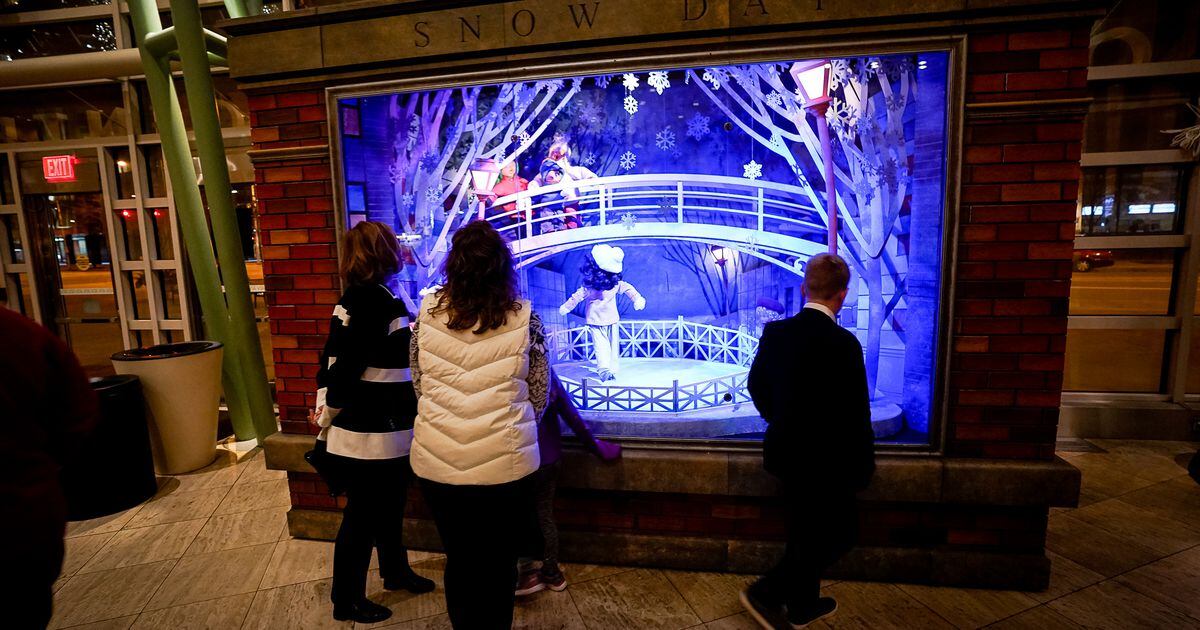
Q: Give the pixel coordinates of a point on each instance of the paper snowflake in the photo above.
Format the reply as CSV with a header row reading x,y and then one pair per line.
x,y
406,201
697,126
588,159
590,113
631,105
433,194
774,99
628,160
665,139
630,81
523,138
752,170
628,220
414,132
602,80
428,162
711,76
659,81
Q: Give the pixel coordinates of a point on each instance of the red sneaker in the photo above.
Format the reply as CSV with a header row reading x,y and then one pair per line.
x,y
557,584
529,583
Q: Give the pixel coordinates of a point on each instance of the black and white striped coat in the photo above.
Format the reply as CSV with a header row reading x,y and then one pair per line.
x,y
365,399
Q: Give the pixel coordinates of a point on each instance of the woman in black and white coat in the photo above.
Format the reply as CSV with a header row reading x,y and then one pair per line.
x,y
365,408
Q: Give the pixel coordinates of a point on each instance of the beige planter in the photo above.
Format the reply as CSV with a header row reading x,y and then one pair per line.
x,y
182,387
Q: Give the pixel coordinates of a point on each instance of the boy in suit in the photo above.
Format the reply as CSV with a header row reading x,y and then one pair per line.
x,y
809,383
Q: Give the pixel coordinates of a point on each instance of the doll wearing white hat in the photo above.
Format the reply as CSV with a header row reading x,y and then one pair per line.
x,y
602,284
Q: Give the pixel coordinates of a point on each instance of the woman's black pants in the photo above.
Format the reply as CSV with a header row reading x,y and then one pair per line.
x,y
483,529
376,491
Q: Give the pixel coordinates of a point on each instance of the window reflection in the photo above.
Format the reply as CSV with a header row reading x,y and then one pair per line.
x,y
86,111
1114,360
56,38
1130,115
1131,200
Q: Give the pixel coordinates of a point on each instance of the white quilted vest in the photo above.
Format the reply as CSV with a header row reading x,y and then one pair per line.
x,y
475,424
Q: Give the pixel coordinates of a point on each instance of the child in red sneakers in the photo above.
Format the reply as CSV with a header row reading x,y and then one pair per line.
x,y
532,579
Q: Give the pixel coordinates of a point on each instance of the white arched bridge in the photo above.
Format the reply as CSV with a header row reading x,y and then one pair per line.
x,y
774,222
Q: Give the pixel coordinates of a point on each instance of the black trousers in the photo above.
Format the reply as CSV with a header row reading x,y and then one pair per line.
x,y
822,526
34,556
483,529
376,491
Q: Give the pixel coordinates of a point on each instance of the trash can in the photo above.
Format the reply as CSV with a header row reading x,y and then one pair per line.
x,y
181,383
113,470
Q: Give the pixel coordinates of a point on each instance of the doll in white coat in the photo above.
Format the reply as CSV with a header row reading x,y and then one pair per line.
x,y
601,284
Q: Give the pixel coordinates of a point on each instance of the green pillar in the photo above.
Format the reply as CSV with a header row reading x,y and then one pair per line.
x,y
243,331
190,211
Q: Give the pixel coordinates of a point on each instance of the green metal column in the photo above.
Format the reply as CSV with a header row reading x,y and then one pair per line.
x,y
243,331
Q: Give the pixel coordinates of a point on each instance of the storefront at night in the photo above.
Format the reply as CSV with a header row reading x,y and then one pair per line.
x,y
703,139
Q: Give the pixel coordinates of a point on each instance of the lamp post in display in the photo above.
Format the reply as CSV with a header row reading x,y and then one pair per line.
x,y
484,172
812,77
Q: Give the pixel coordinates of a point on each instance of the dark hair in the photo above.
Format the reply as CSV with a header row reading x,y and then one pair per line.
x,y
370,254
596,278
481,280
825,276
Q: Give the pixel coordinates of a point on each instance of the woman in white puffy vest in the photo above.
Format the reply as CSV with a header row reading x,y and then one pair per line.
x,y
481,375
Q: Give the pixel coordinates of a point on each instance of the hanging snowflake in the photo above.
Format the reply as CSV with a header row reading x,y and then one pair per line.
x,y
659,81
414,132
433,194
628,220
428,162
523,138
406,201
752,170
628,160
665,139
602,80
774,99
839,73
631,105
588,159
712,76
894,103
590,113
630,81
698,126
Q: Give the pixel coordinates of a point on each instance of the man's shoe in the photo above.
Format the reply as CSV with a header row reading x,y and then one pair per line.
x,y
557,583
767,615
824,607
529,583
409,581
365,611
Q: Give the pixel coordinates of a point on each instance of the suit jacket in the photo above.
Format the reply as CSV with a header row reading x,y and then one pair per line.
x,y
809,383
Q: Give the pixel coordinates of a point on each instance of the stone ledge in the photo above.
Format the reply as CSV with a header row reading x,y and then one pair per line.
x,y
899,478
888,564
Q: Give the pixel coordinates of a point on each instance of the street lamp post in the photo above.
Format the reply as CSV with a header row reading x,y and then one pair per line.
x,y
483,180
812,77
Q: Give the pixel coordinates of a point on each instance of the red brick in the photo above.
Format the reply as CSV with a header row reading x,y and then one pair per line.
x,y
316,172
1016,380
985,232
259,135
1030,192
999,214
983,154
996,42
1048,288
1020,343
1034,152
310,113
980,432
275,252
307,189
985,397
280,206
1027,232
989,326
273,175
1024,269
1051,251
312,251
1058,59
973,193
288,267
1044,325
298,99
985,83
273,118
994,251
976,270
315,282
1034,81
308,220
320,204
1022,307
273,191
1000,133
260,102
286,237
972,308
970,344
321,235
1042,362
1039,40
1001,173
1039,399
1056,171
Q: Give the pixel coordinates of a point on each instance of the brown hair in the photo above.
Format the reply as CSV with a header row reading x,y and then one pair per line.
x,y
825,276
370,254
481,280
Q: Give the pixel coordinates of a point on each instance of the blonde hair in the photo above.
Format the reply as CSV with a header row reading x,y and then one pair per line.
x,y
825,276
370,254
558,151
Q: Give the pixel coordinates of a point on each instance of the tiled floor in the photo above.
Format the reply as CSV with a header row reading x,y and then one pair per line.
x,y
212,551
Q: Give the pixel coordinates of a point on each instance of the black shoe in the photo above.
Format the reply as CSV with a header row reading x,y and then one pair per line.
x,y
410,582
767,615
365,611
824,607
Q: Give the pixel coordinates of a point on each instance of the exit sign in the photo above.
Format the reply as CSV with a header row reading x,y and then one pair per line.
x,y
59,168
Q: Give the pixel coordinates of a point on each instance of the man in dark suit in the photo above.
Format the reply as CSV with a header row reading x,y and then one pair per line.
x,y
809,383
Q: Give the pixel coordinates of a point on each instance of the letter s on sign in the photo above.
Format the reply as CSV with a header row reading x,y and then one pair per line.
x,y
420,31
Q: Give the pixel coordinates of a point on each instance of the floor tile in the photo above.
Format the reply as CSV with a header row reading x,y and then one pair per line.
x,y
740,621
1171,499
1174,580
405,605
107,594
305,605
417,557
871,605
254,469
711,595
257,495
224,612
229,531
1109,605
212,575
101,525
547,610
1066,576
1040,618
181,505
577,572
297,560
970,607
642,598
1096,548
145,544
81,549
1131,522
437,622
120,623
223,471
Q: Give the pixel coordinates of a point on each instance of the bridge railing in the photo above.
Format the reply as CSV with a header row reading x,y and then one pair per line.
x,y
667,198
664,340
